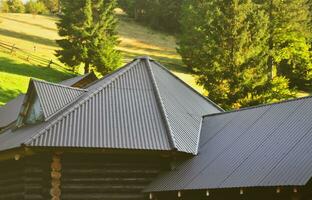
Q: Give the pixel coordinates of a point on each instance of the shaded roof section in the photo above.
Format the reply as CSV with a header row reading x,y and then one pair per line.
x,y
128,109
9,112
260,146
54,97
80,81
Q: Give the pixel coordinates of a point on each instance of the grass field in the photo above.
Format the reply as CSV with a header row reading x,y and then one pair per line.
x,y
37,34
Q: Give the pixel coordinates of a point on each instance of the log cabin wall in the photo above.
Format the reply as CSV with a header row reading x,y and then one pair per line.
x,y
103,177
25,178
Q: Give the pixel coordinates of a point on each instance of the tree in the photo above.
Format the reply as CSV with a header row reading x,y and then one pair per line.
x,y
16,6
51,5
35,7
5,6
289,37
88,28
226,43
158,14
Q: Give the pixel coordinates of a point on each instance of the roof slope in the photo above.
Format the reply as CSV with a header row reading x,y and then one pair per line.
x,y
183,108
54,97
128,109
9,112
260,146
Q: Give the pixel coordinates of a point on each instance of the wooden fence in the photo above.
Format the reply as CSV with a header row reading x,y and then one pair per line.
x,y
14,50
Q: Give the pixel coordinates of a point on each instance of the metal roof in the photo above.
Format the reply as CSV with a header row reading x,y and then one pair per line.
x,y
261,146
10,111
53,97
128,109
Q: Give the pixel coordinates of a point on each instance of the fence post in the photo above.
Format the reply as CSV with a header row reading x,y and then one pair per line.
x,y
50,63
12,50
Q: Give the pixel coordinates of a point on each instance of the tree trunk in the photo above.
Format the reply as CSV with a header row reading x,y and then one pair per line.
x,y
270,58
86,67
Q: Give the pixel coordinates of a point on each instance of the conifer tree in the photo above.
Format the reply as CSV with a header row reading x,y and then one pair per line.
x,y
289,36
226,43
88,28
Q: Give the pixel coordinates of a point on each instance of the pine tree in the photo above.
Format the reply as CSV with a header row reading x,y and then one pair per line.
x,y
289,36
226,43
89,31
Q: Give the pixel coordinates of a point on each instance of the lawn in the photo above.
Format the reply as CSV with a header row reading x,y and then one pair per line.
x,y
37,35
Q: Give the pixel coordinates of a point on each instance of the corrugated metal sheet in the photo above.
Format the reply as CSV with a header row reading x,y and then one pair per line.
x,y
261,146
183,108
9,112
132,108
54,97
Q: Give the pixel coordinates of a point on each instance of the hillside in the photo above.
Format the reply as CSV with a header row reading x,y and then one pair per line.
x,y
37,34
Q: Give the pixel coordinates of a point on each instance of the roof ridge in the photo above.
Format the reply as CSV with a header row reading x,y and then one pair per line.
x,y
259,106
92,94
160,103
57,85
188,86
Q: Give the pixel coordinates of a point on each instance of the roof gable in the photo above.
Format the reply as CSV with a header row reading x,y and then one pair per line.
x,y
54,97
11,110
43,100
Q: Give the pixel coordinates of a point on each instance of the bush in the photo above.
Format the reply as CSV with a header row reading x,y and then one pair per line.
x,y
16,6
4,6
36,7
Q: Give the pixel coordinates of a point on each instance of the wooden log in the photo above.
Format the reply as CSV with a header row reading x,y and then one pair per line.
x,y
56,175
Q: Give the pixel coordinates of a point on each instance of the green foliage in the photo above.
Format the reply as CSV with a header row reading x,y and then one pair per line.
x,y
4,6
13,6
89,31
51,5
158,14
226,43
289,33
36,7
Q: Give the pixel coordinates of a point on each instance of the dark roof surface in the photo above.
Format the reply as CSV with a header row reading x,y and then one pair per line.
x,y
260,146
128,109
9,112
54,97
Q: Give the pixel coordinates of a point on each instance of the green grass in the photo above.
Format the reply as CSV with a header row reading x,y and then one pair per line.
x,y
27,31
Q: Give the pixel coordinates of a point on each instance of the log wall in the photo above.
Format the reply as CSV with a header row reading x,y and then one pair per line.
x,y
108,177
25,179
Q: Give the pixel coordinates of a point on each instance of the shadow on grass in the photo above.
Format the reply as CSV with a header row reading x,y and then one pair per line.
x,y
25,22
23,69
31,38
7,94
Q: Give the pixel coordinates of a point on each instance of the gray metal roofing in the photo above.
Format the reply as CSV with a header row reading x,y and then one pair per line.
x,y
72,81
9,112
262,146
53,97
128,109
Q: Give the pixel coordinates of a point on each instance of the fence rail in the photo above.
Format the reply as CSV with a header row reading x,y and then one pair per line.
x,y
14,50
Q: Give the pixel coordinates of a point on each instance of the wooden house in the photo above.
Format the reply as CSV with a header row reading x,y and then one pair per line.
x,y
142,133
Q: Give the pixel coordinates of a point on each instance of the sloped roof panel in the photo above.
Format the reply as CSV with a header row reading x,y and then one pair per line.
x,y
261,146
9,112
54,97
183,107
